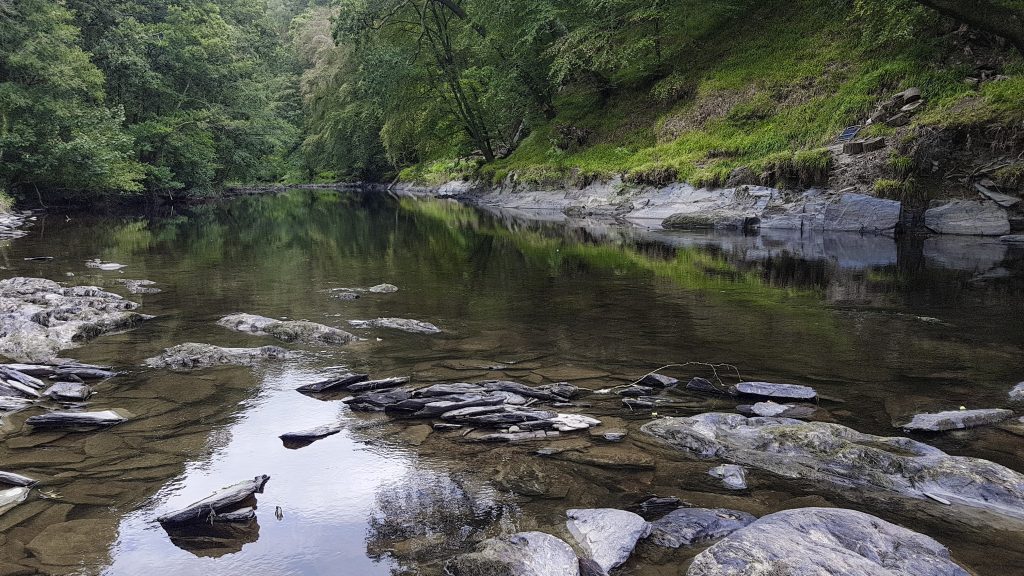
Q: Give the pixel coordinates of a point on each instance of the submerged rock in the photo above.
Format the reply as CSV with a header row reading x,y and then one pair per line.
x,y
403,324
771,390
383,289
957,419
39,318
689,526
732,476
193,356
825,541
607,535
287,330
139,286
522,554
101,265
835,455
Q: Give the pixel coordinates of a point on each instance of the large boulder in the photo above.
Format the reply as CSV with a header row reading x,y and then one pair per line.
x,y
39,318
837,456
287,330
606,535
193,356
690,526
860,213
825,542
968,218
522,554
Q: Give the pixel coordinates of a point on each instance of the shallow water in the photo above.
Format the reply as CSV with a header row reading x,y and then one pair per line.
x,y
882,329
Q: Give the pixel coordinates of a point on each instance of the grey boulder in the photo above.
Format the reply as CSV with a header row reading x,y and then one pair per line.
x,y
825,542
732,476
521,554
689,526
606,535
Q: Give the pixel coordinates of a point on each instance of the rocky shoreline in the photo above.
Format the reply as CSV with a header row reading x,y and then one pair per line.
x,y
745,207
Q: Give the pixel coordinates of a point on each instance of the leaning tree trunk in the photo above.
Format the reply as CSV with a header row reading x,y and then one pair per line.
x,y
987,15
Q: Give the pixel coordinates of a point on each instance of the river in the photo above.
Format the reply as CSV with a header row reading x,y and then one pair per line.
x,y
881,329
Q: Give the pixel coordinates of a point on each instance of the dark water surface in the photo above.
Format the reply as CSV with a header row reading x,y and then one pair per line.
x,y
884,329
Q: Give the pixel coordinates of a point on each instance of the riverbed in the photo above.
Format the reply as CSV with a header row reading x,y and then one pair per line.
x,y
881,329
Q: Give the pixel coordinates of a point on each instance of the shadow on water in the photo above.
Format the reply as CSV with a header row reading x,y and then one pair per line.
x,y
883,328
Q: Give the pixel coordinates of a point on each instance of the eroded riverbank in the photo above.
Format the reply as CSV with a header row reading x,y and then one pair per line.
x,y
880,332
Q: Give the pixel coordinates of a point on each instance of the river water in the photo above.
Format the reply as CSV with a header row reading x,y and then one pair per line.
x,y
880,329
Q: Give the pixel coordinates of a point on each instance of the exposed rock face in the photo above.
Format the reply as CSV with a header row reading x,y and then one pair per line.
x,y
287,330
403,324
835,455
39,318
956,419
608,536
522,554
825,541
689,526
969,218
192,356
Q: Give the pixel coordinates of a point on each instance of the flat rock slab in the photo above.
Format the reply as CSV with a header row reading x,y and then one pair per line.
x,y
771,390
658,380
68,391
336,383
825,541
15,479
957,419
968,218
78,419
224,501
606,535
403,324
522,554
844,459
286,330
193,356
304,437
1012,239
11,497
690,526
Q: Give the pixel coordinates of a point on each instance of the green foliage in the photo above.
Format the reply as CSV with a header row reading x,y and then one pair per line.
x,y
55,129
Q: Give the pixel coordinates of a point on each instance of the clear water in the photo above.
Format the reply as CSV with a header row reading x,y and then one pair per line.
x,y
885,328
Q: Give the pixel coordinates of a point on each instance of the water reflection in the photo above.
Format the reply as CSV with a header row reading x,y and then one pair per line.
x,y
864,319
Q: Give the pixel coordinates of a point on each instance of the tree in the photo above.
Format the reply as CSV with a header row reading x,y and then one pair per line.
x,y
55,131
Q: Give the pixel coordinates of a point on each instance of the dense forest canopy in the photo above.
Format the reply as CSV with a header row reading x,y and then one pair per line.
x,y
145,96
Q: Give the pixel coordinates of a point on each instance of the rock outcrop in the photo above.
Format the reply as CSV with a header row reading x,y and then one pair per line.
x,y
969,218
39,318
842,458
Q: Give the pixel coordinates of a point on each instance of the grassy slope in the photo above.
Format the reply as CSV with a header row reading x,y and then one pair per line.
x,y
768,91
